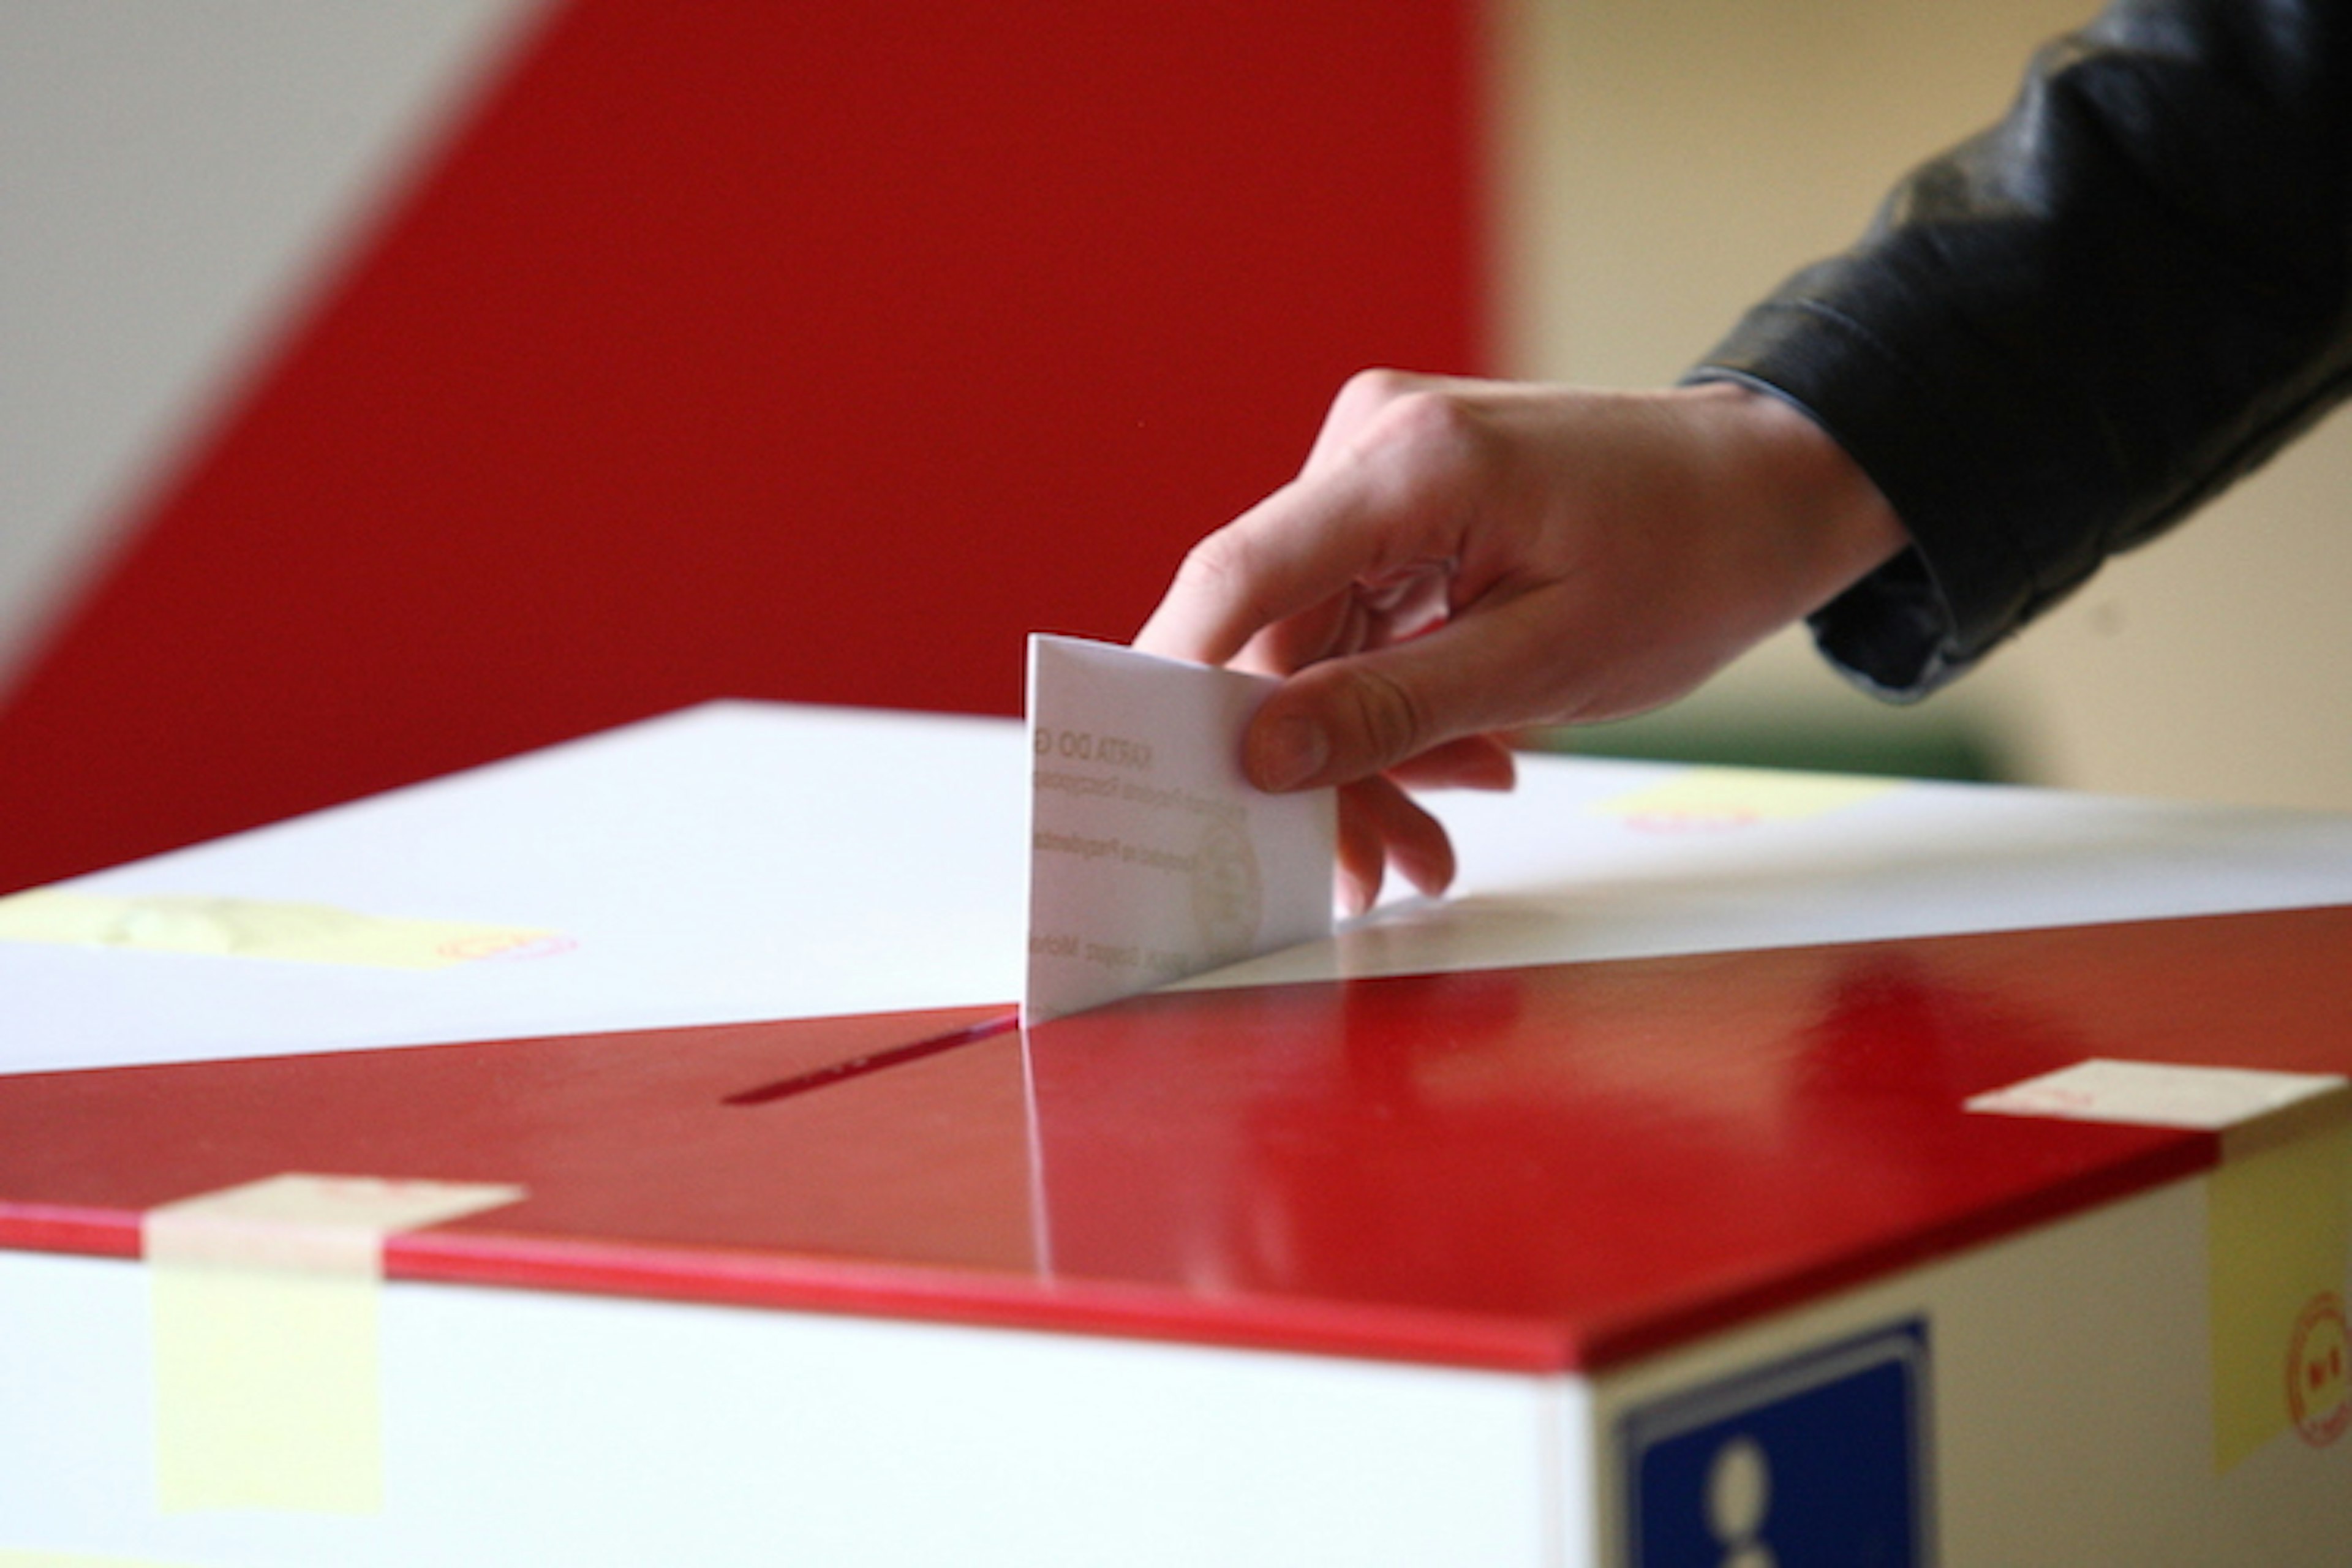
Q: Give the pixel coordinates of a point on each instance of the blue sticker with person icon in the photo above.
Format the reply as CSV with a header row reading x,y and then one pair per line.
x,y
1819,1458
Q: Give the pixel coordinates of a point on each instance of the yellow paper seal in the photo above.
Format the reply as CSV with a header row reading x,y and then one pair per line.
x,y
255,928
1703,799
2277,1221
262,1301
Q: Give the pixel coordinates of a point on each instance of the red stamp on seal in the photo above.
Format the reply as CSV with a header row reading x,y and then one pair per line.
x,y
2319,1372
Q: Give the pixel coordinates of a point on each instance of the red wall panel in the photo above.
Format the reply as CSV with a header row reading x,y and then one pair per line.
x,y
806,353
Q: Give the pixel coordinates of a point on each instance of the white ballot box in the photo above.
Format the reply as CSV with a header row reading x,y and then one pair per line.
x,y
631,1153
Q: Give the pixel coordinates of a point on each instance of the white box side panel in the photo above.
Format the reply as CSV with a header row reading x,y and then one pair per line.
x,y
2072,1407
524,1427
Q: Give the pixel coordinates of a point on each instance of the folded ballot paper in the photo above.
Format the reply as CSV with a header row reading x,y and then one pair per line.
x,y
1150,858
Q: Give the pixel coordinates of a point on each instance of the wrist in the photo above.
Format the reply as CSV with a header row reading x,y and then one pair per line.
x,y
1827,525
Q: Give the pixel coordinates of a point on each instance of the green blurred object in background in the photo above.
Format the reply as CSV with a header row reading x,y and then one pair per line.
x,y
1901,743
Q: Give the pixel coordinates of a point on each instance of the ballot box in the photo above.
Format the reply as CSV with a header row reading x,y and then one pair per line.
x,y
630,1153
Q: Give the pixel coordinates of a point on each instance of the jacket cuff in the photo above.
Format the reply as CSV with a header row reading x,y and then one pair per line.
x,y
1931,614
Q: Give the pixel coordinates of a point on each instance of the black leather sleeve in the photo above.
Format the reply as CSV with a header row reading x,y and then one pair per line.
x,y
2066,333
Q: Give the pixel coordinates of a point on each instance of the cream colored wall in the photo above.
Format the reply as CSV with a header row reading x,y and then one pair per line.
x,y
1666,161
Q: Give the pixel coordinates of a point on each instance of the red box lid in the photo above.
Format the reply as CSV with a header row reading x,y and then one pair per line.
x,y
1533,1169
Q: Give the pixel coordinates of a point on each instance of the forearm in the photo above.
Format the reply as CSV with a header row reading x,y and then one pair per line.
x,y
2062,336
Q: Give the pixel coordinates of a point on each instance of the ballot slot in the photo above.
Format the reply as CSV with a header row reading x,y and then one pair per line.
x,y
872,1062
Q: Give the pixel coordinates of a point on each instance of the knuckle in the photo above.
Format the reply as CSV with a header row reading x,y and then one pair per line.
x,y
1376,387
1212,560
1433,419
1432,437
1225,560
1223,570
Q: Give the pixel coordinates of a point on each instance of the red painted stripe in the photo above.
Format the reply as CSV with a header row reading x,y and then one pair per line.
x,y
721,1278
28,1226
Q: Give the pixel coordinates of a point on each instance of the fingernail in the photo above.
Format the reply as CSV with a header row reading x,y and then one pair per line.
x,y
1287,753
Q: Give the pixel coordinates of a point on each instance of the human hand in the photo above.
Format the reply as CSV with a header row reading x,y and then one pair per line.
x,y
1458,560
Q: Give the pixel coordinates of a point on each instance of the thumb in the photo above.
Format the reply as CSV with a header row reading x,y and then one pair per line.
x,y
1346,718
1333,723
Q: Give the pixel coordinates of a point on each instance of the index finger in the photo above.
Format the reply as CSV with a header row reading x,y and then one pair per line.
x,y
1309,542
